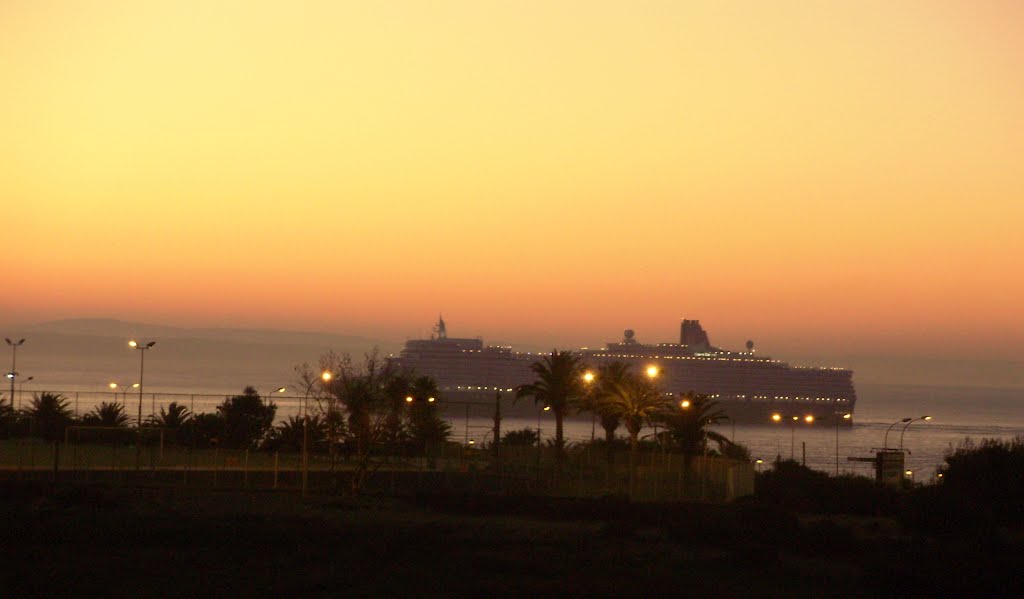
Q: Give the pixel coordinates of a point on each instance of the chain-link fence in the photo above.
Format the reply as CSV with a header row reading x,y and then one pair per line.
x,y
94,455
91,448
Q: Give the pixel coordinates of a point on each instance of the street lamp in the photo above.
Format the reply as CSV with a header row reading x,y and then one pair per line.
x,y
278,390
142,369
325,377
907,425
652,371
846,416
809,419
114,386
539,412
588,380
885,442
14,363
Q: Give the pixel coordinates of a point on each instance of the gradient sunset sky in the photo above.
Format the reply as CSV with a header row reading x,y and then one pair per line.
x,y
819,176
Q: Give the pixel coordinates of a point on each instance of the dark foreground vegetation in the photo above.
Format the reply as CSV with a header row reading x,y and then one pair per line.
x,y
104,540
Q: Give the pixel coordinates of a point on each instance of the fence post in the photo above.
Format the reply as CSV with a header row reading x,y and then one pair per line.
x,y
245,470
275,468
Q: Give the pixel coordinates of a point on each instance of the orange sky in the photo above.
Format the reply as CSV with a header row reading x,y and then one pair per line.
x,y
820,176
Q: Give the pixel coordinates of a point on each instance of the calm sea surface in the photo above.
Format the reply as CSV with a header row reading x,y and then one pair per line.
x,y
957,414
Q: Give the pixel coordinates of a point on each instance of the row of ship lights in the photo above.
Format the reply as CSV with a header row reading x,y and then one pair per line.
x,y
700,357
714,396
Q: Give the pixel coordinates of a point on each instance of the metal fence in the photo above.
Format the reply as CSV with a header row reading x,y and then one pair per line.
x,y
446,468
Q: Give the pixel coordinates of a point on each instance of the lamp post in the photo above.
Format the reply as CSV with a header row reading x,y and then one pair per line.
x,y
846,416
124,392
142,369
539,412
652,373
885,442
588,380
20,385
777,418
907,425
278,390
326,377
14,364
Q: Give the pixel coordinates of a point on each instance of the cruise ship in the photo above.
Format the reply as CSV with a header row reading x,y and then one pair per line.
x,y
750,388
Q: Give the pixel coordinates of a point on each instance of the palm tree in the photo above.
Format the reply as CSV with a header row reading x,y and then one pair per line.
x,y
174,417
177,419
50,414
609,377
107,414
636,400
687,425
425,427
287,435
559,386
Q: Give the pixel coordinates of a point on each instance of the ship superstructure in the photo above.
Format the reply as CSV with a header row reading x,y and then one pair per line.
x,y
466,364
749,387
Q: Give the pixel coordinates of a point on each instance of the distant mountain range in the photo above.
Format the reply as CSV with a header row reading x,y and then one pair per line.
x,y
108,327
88,353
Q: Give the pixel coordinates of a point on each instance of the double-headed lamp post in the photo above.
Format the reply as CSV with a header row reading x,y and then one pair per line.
x,y
114,386
885,442
907,425
809,419
142,369
14,364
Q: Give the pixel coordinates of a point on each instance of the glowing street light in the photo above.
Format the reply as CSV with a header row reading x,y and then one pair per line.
x,y
142,369
846,416
809,419
885,442
325,377
685,404
907,425
588,380
270,395
652,371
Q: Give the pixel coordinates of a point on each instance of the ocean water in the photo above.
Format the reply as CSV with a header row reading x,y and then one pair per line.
x,y
201,368
957,414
